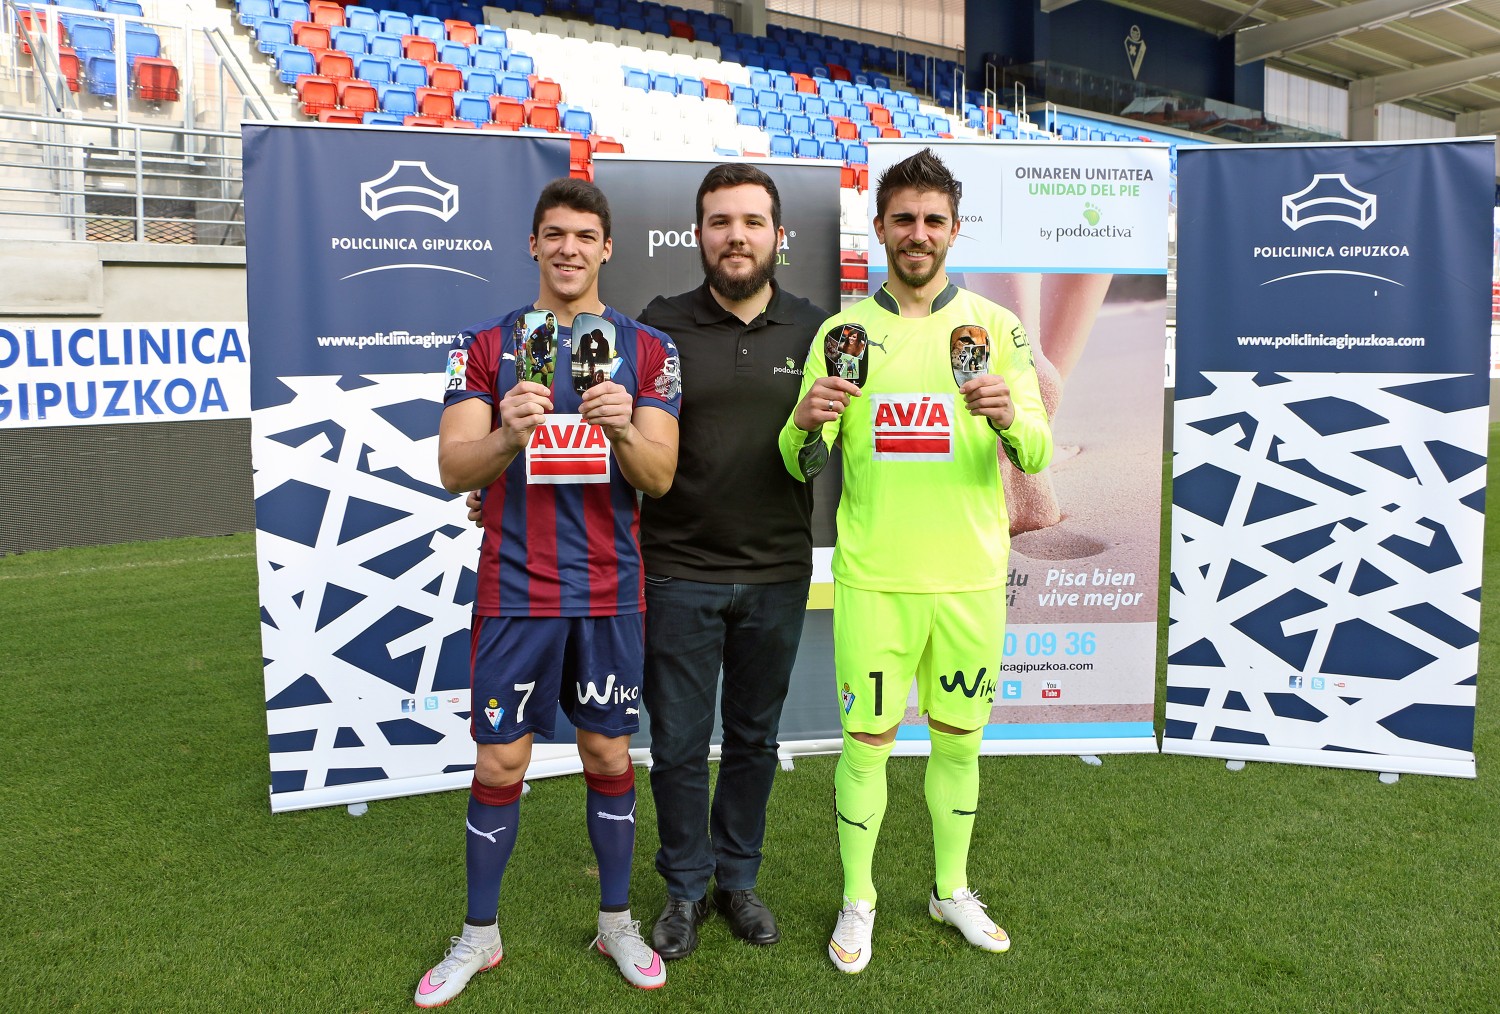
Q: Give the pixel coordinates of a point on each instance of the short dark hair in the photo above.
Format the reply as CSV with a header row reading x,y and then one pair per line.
x,y
923,171
739,174
567,192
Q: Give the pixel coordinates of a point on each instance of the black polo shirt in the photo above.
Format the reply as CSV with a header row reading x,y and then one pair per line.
x,y
733,515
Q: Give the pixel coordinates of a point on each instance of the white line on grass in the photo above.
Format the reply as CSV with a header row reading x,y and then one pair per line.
x,y
124,566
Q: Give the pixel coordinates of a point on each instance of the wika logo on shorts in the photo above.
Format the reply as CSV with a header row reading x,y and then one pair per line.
x,y
611,694
913,427
564,449
980,685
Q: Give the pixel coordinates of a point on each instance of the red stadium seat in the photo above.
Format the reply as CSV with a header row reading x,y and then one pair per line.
x,y
806,85
37,22
845,129
156,79
435,102
837,72
69,63
340,116
324,12
418,47
848,178
310,35
715,89
545,90
461,31
359,96
423,121
604,145
890,131
507,114
456,124
316,93
681,30
445,76
543,114
335,63
879,115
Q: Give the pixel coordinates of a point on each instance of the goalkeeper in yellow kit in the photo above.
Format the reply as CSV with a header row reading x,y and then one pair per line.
x,y
919,383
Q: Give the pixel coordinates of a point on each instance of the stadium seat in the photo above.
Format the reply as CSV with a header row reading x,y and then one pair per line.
x,y
507,113
335,65
782,146
831,149
294,61
473,107
375,69
435,102
715,89
845,130
293,10
325,12
480,80
515,86
520,63
423,121
543,114
251,13
156,79
311,36
490,35
395,22
350,40
461,32
317,93
419,47
384,119
386,44
857,154
578,121
445,76
363,18
488,58
410,73
807,147
359,96
429,27
455,53
340,116
272,34
398,99
799,125
691,86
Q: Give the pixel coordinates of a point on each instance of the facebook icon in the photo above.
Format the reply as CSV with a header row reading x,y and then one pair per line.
x,y
408,704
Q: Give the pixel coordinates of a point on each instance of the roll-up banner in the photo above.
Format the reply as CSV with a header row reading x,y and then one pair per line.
x,y
1073,238
368,252
1330,439
656,254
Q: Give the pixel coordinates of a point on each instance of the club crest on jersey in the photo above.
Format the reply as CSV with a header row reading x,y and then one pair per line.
x,y
913,427
845,352
564,450
847,696
536,341
669,380
1018,339
969,350
494,712
593,353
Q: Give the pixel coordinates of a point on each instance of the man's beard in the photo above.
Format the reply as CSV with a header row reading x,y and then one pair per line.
x,y
738,287
892,260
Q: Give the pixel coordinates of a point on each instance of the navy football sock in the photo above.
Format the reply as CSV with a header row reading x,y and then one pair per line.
x,y
611,819
494,815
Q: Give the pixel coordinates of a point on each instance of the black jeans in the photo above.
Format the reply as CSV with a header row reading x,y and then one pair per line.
x,y
692,629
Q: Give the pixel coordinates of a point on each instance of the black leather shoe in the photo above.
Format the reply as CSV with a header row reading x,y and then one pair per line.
x,y
676,932
748,917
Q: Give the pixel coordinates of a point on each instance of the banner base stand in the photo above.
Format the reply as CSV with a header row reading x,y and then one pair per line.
x,y
1389,778
1091,760
1380,763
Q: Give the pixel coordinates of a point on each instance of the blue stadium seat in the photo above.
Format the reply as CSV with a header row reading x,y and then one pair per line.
x,y
748,116
395,98
515,86
271,34
252,11
293,10
799,125
901,118
472,107
409,73
386,44
831,148
773,121
455,53
792,102
488,58
292,61
363,18
921,121
664,82
941,125
350,40
859,113
822,127
637,79
783,146
480,80
489,35
782,81
122,7
838,107
760,79
856,154
103,75
578,121
742,95
395,22
431,27
690,86
384,119
520,63
808,147
766,99
375,69
868,131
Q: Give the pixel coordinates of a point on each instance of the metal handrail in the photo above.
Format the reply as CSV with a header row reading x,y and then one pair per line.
x,y
242,79
44,72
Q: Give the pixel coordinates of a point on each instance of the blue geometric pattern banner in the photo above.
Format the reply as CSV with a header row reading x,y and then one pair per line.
x,y
1330,438
362,273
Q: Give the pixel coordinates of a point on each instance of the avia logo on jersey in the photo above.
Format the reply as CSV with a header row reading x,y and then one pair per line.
x,y
611,694
980,684
564,449
913,427
1051,690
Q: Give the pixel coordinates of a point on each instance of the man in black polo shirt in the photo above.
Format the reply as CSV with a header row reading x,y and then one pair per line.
x,y
728,554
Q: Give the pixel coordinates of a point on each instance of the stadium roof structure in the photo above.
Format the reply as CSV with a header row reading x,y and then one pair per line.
x,y
1443,55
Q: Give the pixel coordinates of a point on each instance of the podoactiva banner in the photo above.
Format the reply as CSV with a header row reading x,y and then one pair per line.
x,y
1330,433
656,254
368,253
1073,238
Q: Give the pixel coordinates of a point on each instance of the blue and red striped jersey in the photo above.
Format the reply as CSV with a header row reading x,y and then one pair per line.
x,y
561,524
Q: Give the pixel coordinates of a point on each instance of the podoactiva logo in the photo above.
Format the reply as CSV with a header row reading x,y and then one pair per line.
x,y
1092,226
410,187
686,239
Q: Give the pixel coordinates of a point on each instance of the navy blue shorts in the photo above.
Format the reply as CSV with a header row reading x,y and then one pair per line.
x,y
521,666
